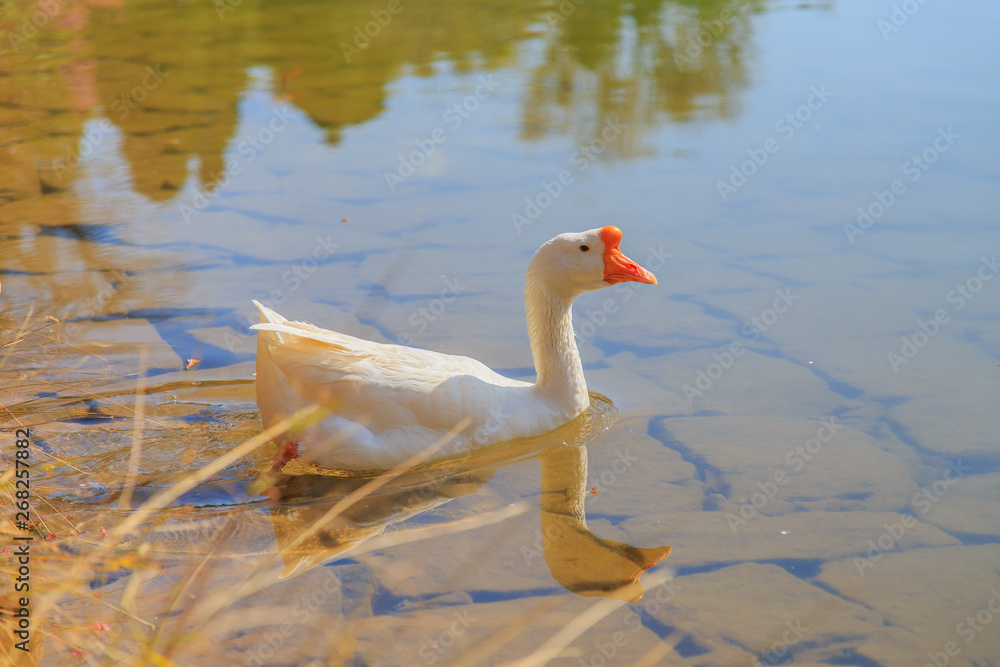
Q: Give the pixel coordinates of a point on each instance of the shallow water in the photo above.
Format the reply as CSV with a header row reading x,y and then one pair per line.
x,y
805,403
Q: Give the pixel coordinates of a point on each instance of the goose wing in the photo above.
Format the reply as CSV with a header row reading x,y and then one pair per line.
x,y
386,385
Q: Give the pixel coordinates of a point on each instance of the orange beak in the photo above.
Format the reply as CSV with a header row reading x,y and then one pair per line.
x,y
617,267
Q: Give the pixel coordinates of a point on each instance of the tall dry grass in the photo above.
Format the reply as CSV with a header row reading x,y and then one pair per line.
x,y
105,589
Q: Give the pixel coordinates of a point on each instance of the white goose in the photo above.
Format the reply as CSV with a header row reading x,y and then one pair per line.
x,y
390,402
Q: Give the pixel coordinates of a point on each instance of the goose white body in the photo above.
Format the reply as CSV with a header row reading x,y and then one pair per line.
x,y
389,402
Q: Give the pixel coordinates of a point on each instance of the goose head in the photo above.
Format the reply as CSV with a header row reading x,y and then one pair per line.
x,y
574,263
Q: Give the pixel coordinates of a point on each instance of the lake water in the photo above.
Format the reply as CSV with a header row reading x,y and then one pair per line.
x,y
804,409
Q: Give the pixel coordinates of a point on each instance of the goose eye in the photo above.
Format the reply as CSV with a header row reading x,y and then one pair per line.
x,y
584,248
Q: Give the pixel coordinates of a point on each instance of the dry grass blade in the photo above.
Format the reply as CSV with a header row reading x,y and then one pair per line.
x,y
74,578
508,632
209,607
462,525
181,591
558,642
37,362
377,483
17,338
655,655
69,522
59,341
102,397
61,461
125,501
167,496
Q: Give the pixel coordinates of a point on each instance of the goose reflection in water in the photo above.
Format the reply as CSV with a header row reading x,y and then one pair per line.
x,y
321,515
584,563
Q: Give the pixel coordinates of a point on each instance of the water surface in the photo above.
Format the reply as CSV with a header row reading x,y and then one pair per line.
x,y
803,409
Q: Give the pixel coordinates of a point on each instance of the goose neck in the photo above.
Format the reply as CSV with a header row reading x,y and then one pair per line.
x,y
553,344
